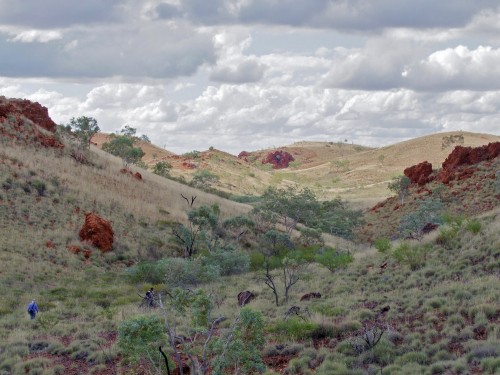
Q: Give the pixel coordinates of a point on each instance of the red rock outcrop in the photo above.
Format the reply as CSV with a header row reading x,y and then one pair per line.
x,y
244,155
420,173
98,232
463,156
279,159
27,122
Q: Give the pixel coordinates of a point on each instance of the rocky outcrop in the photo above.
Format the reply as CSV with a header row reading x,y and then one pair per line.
x,y
279,159
453,166
420,173
98,232
27,122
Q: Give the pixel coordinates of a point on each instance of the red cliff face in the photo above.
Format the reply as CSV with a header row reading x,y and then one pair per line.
x,y
27,122
279,159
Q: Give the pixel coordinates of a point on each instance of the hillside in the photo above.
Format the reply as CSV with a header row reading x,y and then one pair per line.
x,y
417,307
356,173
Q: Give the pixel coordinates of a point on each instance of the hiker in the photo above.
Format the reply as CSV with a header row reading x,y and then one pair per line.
x,y
150,294
33,309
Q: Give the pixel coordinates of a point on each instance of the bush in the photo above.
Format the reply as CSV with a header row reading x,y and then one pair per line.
x,y
473,226
334,259
229,262
294,329
383,244
414,257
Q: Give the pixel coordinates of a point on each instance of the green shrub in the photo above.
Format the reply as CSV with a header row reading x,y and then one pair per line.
x,y
414,257
473,226
140,336
491,365
412,357
383,244
229,262
294,329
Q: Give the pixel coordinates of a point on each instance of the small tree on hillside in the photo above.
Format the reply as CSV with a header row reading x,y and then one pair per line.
x,y
204,179
84,128
401,186
162,168
123,147
291,205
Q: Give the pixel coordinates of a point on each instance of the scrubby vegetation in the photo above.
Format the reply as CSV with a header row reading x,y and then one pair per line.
x,y
320,304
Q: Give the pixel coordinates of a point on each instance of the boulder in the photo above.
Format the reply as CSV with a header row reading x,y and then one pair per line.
x,y
245,297
98,232
310,296
419,173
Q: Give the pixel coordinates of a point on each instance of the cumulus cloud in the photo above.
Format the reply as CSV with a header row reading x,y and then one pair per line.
x,y
248,74
456,68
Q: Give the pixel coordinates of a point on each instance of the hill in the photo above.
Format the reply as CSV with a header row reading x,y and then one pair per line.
x,y
356,173
426,306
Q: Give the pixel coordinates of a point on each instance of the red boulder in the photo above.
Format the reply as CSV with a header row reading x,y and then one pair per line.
x,y
98,232
419,174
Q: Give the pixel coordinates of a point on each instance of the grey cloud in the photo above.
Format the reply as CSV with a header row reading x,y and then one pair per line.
x,y
152,51
58,13
338,14
246,71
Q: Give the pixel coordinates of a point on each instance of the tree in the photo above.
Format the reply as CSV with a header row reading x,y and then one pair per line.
x,y
333,259
162,168
201,220
335,217
128,131
204,179
123,147
291,270
291,205
85,128
273,241
400,185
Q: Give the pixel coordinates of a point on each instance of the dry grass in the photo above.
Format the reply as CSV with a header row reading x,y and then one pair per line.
x,y
446,301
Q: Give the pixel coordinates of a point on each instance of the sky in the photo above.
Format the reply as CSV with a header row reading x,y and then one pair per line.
x,y
253,74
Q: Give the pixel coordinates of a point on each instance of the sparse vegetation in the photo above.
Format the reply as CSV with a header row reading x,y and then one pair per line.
x,y
427,306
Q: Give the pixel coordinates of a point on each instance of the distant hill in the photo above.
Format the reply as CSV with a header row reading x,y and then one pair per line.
x,y
357,173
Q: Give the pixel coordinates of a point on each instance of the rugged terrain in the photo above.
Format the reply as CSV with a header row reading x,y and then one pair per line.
x,y
73,228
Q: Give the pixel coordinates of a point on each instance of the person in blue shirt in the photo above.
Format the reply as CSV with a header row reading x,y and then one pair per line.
x,y
33,309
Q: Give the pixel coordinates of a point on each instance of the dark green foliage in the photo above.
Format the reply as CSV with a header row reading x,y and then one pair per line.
x,y
140,337
275,243
123,147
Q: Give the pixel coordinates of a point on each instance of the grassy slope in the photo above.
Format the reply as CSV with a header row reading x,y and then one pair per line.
x,y
444,315
359,174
